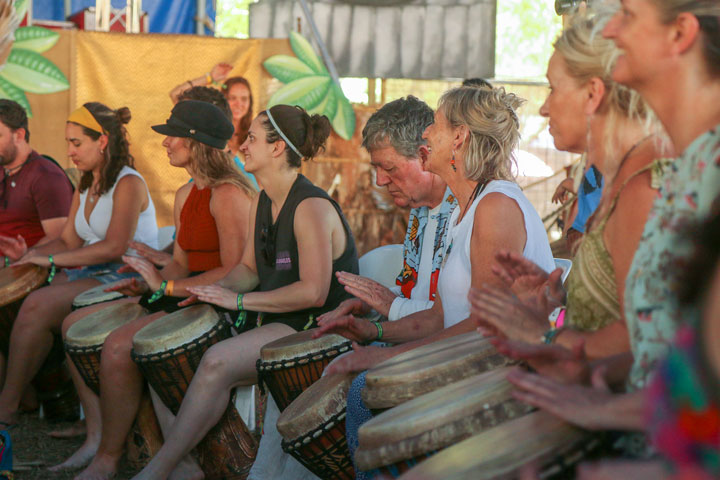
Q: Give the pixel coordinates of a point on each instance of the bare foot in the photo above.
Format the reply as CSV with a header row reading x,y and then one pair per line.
x,y
80,458
187,469
77,429
103,467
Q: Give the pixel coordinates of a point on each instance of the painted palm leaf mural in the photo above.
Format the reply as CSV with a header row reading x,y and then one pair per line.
x,y
309,85
23,67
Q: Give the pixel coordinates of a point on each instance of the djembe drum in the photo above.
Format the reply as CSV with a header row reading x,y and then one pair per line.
x,y
53,383
402,436
168,352
313,428
498,453
289,365
94,296
427,368
83,343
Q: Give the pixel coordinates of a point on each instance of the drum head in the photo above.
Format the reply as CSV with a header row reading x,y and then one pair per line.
x,y
300,344
96,295
427,368
498,453
438,419
18,282
319,403
92,330
175,329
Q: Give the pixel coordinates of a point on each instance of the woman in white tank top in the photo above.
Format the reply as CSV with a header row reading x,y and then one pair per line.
x,y
111,207
469,145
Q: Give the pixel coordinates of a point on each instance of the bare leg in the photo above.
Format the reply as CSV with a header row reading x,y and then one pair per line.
x,y
88,399
121,387
41,315
188,468
225,365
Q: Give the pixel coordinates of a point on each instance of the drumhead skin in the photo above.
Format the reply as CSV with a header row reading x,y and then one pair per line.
x,y
18,282
321,401
96,295
438,419
427,368
300,344
497,453
175,329
93,330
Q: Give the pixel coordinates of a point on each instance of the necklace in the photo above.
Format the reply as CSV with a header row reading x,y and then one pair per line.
x,y
12,171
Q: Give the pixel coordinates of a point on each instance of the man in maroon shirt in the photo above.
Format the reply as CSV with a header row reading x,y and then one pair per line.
x,y
35,193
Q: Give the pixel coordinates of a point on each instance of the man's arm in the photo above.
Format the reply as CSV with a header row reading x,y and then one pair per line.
x,y
53,228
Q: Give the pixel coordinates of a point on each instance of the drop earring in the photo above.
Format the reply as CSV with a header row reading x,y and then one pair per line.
x,y
452,162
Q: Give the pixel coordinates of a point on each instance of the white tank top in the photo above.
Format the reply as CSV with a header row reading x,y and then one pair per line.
x,y
95,231
456,277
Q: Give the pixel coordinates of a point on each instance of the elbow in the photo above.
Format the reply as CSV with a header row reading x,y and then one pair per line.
x,y
319,297
116,250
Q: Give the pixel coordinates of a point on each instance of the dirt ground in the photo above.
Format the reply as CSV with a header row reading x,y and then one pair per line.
x,y
34,451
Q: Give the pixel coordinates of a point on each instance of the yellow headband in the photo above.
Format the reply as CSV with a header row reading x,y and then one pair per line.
x,y
82,116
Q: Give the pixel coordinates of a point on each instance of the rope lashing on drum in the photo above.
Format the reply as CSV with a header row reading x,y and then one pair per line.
x,y
159,292
242,316
53,269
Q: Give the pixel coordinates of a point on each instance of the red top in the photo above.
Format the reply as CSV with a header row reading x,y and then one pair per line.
x,y
38,191
198,235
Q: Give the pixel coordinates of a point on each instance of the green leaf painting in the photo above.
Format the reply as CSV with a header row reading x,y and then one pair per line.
x,y
11,92
26,70
33,72
309,85
37,39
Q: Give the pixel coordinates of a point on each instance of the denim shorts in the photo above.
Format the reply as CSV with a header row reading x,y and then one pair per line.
x,y
103,273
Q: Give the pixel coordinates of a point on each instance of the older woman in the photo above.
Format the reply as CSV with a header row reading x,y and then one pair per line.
x,y
298,239
586,108
111,207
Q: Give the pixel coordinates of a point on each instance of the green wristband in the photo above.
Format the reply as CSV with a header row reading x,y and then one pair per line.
x,y
159,292
379,329
242,315
53,269
7,261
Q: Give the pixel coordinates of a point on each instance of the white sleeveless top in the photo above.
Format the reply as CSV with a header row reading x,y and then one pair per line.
x,y
95,231
455,276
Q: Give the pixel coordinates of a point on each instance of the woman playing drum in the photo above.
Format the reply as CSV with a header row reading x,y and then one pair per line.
x,y
111,207
211,213
299,239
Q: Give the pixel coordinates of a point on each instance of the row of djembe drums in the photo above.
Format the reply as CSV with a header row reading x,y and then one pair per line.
x,y
443,410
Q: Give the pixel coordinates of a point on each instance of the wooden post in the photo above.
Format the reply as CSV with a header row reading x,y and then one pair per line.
x,y
372,99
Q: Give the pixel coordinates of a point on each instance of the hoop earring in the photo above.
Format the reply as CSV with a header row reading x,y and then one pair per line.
x,y
452,162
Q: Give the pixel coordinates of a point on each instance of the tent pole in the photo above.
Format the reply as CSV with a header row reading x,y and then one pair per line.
x,y
323,49
200,17
68,8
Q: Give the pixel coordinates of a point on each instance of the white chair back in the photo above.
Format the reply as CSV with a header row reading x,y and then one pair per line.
x,y
382,264
165,237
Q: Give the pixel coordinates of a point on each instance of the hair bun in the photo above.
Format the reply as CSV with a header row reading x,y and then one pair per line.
x,y
318,131
123,115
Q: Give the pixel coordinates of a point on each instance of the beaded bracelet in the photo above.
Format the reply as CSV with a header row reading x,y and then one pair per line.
x,y
159,292
53,269
551,335
242,316
379,329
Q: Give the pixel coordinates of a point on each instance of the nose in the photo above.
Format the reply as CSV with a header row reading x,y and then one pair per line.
x,y
166,142
381,178
544,110
611,27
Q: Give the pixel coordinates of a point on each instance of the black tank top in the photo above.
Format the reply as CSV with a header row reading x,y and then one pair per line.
x,y
276,252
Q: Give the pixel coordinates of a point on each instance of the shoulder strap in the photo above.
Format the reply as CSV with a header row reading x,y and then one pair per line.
x,y
620,190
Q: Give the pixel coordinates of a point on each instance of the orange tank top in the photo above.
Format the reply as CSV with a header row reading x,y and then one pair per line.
x,y
198,235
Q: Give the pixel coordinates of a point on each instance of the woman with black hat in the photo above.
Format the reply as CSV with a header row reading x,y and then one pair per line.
x,y
211,214
299,240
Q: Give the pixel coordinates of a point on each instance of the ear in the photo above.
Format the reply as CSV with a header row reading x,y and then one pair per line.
x,y
103,141
279,147
685,32
19,134
460,136
595,95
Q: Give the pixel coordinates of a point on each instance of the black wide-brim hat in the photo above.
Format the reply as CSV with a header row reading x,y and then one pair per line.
x,y
201,121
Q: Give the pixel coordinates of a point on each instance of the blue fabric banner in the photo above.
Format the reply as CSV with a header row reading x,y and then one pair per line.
x,y
166,16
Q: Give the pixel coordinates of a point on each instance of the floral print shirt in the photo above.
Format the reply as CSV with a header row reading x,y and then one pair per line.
x,y
652,310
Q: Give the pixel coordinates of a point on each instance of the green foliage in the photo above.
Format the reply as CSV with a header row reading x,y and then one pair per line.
x,y
33,73
11,92
37,39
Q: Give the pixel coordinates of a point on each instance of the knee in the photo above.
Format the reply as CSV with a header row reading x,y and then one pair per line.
x,y
213,364
116,352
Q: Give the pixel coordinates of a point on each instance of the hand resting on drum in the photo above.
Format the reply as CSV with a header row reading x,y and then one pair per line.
x,y
591,407
157,257
214,294
14,248
131,287
369,291
360,359
351,327
351,306
146,269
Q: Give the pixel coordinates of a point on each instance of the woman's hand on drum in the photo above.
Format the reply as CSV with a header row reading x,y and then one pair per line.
x,y
359,360
157,257
348,326
146,269
580,405
554,361
14,248
214,294
530,283
131,287
41,260
369,291
499,312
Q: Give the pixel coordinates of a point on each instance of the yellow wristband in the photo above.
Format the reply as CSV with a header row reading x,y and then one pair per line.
x,y
208,78
169,288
